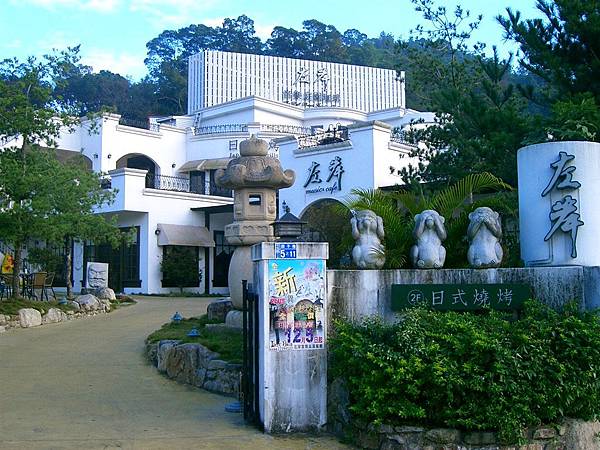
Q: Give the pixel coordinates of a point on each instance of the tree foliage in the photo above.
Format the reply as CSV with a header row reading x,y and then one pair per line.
x,y
41,197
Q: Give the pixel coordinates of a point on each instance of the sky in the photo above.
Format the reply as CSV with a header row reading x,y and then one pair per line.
x,y
113,33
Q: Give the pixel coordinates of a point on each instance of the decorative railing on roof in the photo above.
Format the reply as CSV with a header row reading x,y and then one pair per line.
x,y
332,135
144,125
220,129
401,137
284,129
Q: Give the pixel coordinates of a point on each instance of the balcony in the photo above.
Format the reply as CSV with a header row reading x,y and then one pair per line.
x,y
330,136
220,129
181,184
401,137
141,124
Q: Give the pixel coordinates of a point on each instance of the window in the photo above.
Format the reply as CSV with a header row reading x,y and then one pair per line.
x,y
221,258
233,145
123,261
197,180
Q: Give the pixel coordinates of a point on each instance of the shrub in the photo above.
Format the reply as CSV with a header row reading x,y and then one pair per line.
x,y
472,371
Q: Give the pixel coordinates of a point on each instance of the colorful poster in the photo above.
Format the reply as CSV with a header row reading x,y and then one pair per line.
x,y
296,304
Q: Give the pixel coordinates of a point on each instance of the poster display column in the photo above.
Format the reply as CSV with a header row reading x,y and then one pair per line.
x,y
290,279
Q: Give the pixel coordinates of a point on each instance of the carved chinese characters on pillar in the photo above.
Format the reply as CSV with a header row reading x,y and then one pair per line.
x,y
564,213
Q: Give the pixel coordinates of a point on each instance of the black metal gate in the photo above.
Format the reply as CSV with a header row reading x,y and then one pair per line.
x,y
250,374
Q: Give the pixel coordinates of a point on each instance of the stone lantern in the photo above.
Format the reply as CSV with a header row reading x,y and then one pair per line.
x,y
255,179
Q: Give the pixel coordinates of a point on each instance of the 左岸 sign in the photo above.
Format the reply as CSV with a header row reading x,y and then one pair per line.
x,y
460,297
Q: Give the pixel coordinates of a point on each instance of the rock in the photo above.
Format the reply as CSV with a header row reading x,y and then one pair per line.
x,y
443,436
182,362
218,310
408,429
54,315
88,302
105,293
4,319
544,433
480,438
217,364
29,317
234,319
164,347
105,304
582,435
2,328
151,352
73,305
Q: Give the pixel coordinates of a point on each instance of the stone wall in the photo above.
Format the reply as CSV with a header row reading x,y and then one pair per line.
x,y
356,294
29,317
196,365
570,435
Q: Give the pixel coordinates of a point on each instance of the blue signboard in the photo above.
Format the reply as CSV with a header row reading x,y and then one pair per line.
x,y
286,251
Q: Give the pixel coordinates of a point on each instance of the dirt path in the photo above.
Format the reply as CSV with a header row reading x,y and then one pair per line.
x,y
85,385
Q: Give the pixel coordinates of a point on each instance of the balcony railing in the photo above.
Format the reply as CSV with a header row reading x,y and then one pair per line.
x,y
400,137
220,129
144,125
329,136
167,183
180,184
285,129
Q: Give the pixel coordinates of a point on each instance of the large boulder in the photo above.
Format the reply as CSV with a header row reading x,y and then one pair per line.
x,y
29,317
164,347
73,305
105,304
88,302
4,319
235,319
54,315
105,294
218,309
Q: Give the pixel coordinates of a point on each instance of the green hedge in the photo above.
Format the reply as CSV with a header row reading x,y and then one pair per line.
x,y
472,371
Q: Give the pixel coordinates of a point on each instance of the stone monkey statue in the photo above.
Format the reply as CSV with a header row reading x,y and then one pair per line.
x,y
429,232
367,230
484,234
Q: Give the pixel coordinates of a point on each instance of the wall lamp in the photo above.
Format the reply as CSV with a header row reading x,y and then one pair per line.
x,y
173,165
95,155
157,232
109,156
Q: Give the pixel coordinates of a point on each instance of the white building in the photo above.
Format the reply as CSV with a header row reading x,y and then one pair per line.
x,y
333,124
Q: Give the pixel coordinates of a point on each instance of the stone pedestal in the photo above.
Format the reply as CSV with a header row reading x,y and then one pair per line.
x,y
292,335
240,268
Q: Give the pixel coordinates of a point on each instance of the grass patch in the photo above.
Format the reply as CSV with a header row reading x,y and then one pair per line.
x,y
227,342
121,302
11,307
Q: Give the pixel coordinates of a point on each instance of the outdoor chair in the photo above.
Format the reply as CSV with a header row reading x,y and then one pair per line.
x,y
5,286
36,281
48,286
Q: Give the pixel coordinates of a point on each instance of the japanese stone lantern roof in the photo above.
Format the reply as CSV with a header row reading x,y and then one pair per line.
x,y
253,168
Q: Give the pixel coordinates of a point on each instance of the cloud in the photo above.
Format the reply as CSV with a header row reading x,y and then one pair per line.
x,y
103,6
125,64
172,13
